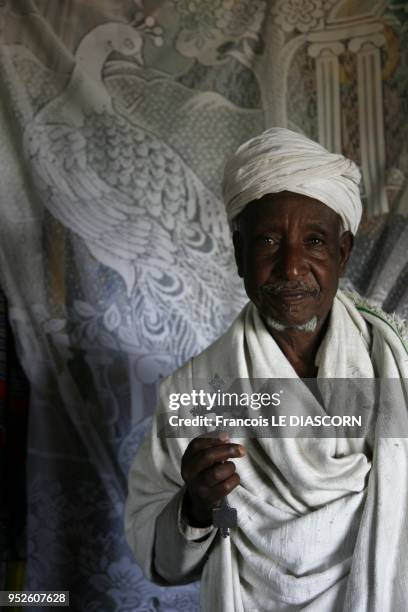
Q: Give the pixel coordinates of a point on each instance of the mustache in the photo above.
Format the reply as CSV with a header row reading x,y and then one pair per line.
x,y
282,287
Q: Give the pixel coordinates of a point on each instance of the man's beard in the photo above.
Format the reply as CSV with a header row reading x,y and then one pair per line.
x,y
308,327
275,289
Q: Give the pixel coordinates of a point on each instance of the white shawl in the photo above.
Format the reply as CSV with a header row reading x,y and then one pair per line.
x,y
322,523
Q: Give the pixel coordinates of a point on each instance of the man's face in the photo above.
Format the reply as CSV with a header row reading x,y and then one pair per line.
x,y
290,254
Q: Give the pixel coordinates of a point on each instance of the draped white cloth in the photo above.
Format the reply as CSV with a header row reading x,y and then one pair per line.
x,y
282,160
322,523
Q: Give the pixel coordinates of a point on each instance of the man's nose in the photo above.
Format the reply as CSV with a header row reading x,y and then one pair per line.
x,y
292,262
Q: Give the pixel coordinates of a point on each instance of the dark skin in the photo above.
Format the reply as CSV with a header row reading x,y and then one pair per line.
x,y
209,476
291,253
292,243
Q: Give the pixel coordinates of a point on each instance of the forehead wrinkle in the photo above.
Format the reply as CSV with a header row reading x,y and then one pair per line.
x,y
279,224
317,226
273,212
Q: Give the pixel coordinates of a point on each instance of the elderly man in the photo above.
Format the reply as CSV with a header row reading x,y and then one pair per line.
x,y
322,523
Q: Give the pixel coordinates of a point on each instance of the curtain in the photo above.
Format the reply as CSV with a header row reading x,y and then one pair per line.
x,y
116,118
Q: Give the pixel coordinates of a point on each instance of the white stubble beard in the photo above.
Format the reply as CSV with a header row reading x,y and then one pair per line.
x,y
308,327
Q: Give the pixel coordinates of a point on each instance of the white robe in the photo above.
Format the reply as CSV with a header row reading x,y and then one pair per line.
x,y
322,523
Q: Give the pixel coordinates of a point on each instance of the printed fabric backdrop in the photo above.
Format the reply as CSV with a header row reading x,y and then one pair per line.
x,y
116,117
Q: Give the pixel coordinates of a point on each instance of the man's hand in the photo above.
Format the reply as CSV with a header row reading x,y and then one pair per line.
x,y
209,475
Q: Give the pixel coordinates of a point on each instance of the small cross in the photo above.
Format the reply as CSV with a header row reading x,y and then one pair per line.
x,y
224,517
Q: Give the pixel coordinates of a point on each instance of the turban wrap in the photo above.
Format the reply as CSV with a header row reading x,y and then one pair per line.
x,y
282,160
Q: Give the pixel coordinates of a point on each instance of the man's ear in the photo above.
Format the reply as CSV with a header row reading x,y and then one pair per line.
x,y
346,246
238,250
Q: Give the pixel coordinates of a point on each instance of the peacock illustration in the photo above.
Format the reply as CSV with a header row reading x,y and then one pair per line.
x,y
139,207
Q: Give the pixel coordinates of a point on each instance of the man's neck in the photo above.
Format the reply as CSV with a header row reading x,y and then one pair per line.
x,y
300,347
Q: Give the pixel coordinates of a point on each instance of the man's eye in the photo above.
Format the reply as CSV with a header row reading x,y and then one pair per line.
x,y
269,240
316,242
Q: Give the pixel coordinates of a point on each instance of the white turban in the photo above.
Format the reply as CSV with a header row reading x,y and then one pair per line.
x,y
281,160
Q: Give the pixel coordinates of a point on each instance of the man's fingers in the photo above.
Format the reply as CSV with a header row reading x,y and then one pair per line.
x,y
205,441
217,473
215,494
204,459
